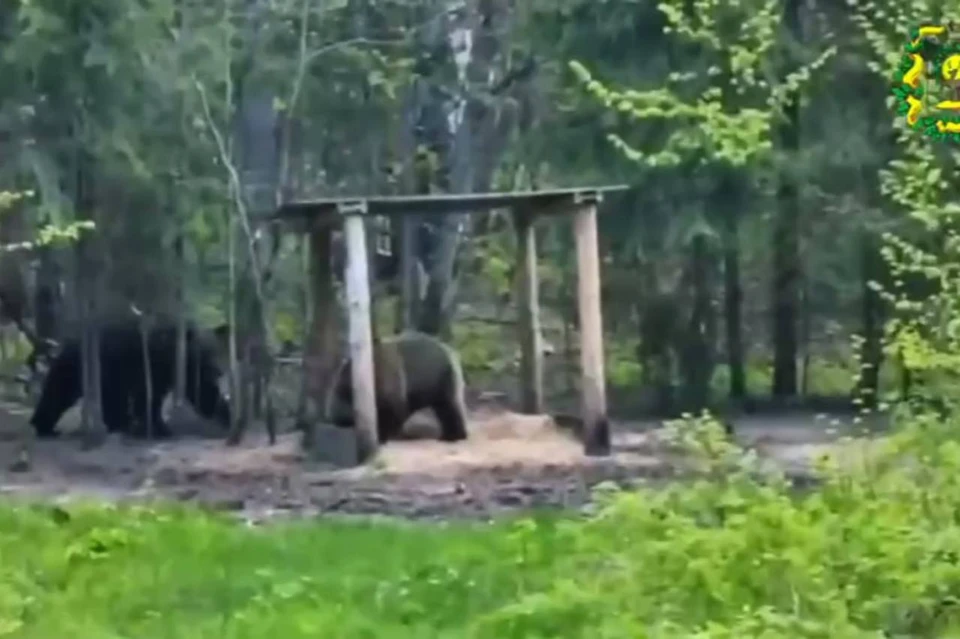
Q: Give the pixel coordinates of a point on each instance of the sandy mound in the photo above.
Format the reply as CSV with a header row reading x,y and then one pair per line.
x,y
496,441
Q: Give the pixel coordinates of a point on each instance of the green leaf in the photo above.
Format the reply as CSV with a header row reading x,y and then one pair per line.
x,y
98,55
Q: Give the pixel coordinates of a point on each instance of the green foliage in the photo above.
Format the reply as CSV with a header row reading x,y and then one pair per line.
x,y
384,315
733,137
759,373
9,199
826,377
830,378
288,327
710,125
52,235
480,347
210,314
496,254
143,98
923,255
871,553
726,108
48,234
924,331
623,369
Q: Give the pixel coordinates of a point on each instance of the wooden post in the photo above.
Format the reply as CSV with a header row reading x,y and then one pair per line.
x,y
596,428
361,337
527,290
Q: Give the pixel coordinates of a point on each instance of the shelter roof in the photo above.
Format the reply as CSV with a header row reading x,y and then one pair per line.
x,y
547,201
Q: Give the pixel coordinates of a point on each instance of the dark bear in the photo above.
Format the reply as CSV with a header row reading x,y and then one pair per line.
x,y
123,378
413,371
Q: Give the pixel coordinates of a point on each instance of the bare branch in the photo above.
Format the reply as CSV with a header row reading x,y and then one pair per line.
x,y
236,192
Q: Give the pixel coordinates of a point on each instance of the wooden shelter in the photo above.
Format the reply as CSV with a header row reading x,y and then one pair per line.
x,y
526,208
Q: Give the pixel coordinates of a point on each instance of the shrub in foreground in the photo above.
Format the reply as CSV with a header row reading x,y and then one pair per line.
x,y
873,552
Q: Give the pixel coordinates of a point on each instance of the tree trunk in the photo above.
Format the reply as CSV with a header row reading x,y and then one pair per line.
x,y
871,317
47,308
698,359
91,413
261,164
568,303
437,304
657,313
94,429
88,287
237,388
411,254
180,384
147,373
470,147
786,250
306,301
806,330
435,314
320,359
733,304
408,306
47,299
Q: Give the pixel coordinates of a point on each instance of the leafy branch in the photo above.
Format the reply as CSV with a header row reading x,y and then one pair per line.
x,y
48,234
731,120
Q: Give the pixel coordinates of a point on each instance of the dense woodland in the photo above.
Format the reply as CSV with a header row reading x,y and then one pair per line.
x,y
786,240
779,208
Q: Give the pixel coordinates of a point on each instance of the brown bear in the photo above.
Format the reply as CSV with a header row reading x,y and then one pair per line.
x,y
413,371
123,377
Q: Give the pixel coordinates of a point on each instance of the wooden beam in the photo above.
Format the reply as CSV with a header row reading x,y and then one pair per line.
x,y
549,202
596,428
361,337
527,291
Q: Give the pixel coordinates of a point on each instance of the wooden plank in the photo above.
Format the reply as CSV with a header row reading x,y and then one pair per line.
x,y
596,428
361,337
531,339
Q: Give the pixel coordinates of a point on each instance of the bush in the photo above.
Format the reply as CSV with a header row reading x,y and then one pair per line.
x,y
623,369
481,349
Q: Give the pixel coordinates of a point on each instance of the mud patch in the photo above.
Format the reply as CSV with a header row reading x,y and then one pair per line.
x,y
511,462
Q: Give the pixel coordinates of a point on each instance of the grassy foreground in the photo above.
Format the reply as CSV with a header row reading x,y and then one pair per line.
x,y
874,553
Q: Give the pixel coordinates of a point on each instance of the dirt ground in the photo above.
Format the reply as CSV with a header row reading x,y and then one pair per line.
x,y
510,462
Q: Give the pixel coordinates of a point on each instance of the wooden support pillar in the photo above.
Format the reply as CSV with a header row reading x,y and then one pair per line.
x,y
361,336
596,428
527,291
